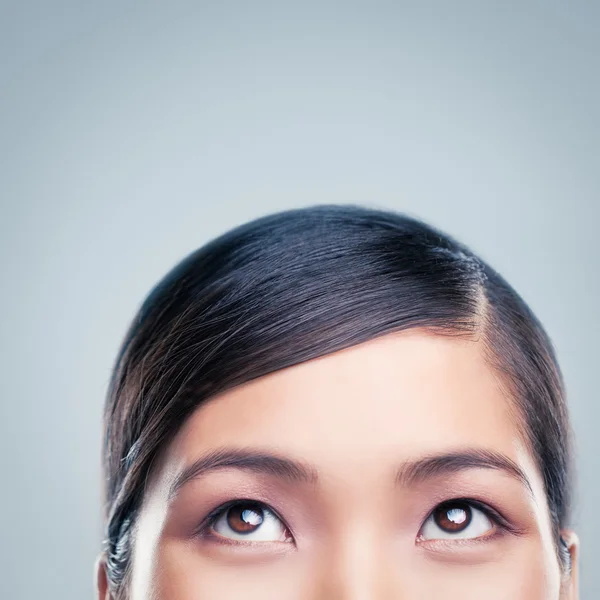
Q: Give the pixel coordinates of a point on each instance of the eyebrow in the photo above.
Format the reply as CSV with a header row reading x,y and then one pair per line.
x,y
409,473
247,460
435,465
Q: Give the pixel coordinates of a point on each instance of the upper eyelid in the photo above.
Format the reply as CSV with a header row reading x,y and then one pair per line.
x,y
496,516
482,506
490,512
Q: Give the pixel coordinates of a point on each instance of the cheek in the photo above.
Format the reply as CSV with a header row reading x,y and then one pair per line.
x,y
181,572
524,574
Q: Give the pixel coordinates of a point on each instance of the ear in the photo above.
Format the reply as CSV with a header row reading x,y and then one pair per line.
x,y
571,585
101,578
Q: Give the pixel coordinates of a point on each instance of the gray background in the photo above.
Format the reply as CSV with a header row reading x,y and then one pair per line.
x,y
131,133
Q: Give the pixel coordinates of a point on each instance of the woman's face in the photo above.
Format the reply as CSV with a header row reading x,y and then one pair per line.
x,y
391,470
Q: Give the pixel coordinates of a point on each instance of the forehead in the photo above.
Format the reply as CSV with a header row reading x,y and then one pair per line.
x,y
396,396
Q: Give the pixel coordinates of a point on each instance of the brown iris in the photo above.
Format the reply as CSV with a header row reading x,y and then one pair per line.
x,y
245,518
453,517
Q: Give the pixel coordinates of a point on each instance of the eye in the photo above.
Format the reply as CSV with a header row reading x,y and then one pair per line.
x,y
456,519
250,521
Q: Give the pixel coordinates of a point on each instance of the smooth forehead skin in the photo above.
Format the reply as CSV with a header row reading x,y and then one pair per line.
x,y
353,418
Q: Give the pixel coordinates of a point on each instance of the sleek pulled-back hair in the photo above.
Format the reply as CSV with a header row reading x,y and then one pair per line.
x,y
297,285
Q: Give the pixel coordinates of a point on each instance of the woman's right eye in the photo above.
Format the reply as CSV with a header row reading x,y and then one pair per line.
x,y
249,521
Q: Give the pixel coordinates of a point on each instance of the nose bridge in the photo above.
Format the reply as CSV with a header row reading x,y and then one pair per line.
x,y
355,566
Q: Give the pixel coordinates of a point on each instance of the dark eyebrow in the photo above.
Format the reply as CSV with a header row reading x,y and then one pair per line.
x,y
248,460
442,464
409,473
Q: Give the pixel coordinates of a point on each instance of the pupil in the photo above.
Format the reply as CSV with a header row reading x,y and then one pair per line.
x,y
453,517
245,518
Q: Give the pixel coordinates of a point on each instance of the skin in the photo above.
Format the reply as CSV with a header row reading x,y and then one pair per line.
x,y
355,421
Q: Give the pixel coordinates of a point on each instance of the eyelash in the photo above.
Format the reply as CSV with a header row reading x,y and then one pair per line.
x,y
211,519
492,514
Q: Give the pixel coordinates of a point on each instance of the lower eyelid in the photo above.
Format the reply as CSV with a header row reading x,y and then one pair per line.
x,y
449,545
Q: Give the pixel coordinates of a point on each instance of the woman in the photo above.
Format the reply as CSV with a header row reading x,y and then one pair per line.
x,y
336,403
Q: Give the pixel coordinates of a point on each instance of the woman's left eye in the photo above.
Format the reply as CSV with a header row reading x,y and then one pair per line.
x,y
250,521
456,519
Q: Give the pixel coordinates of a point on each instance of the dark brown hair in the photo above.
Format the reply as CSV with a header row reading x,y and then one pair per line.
x,y
298,285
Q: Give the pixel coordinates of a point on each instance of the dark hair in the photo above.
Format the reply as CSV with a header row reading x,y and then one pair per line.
x,y
297,285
